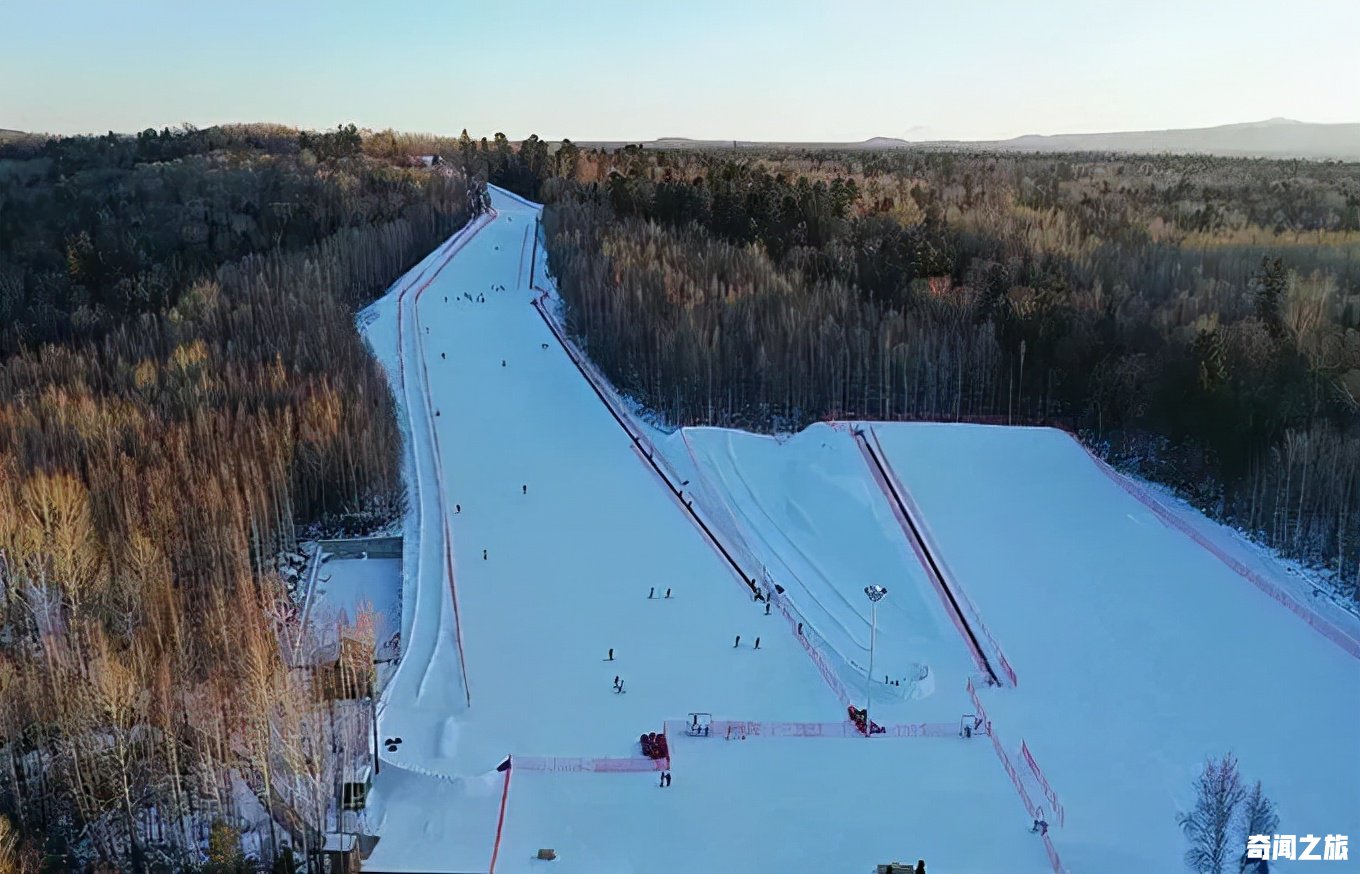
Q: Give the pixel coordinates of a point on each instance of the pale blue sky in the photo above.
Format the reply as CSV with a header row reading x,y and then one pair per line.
x,y
787,70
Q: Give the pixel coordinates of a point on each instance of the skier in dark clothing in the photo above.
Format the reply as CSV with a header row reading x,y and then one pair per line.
x,y
738,642
502,362
757,643
651,593
525,489
767,608
457,508
611,655
668,593
483,555
800,629
442,355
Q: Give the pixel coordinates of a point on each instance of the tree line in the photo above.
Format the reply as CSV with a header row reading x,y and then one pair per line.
x,y
181,383
1195,319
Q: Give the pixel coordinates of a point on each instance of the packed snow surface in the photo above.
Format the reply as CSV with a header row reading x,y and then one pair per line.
x,y
537,533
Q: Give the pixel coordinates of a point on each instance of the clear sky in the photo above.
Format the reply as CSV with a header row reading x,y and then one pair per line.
x,y
720,69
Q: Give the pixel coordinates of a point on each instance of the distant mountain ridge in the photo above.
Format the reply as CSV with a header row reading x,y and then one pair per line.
x,y
1272,138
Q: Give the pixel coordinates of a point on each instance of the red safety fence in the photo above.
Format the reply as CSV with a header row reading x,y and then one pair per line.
x,y
570,764
1059,815
1014,774
1318,623
500,819
745,729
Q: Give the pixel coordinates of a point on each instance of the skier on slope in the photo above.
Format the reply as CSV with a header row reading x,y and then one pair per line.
x,y
483,555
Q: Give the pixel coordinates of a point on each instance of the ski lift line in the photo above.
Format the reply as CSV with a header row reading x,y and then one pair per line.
x,y
881,477
1316,621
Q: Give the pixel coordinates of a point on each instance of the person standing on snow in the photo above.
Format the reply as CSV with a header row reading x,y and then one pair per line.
x,y
757,643
483,555
737,643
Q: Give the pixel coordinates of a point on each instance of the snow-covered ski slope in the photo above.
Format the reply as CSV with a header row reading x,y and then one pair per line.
x,y
566,575
1130,668
1139,653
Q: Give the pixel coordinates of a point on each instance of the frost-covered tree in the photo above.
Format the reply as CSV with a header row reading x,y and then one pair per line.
x,y
1258,818
1210,825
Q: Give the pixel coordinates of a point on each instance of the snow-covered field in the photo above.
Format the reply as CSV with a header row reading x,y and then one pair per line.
x,y
537,531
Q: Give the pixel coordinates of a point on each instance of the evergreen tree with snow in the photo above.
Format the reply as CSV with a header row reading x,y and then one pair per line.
x,y
1211,825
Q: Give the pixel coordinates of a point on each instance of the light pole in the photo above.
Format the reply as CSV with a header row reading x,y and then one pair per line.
x,y
875,594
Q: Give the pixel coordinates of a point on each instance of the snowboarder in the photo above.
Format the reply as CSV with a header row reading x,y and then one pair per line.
x,y
483,555
651,593
737,643
611,655
668,593
757,643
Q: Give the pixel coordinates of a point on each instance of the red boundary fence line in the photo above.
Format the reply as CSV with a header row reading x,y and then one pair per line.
x,y
598,765
731,729
947,577
1318,623
1011,772
500,820
1059,814
881,473
454,246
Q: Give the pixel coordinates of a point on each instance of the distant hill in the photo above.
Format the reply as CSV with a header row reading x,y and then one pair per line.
x,y
1274,138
